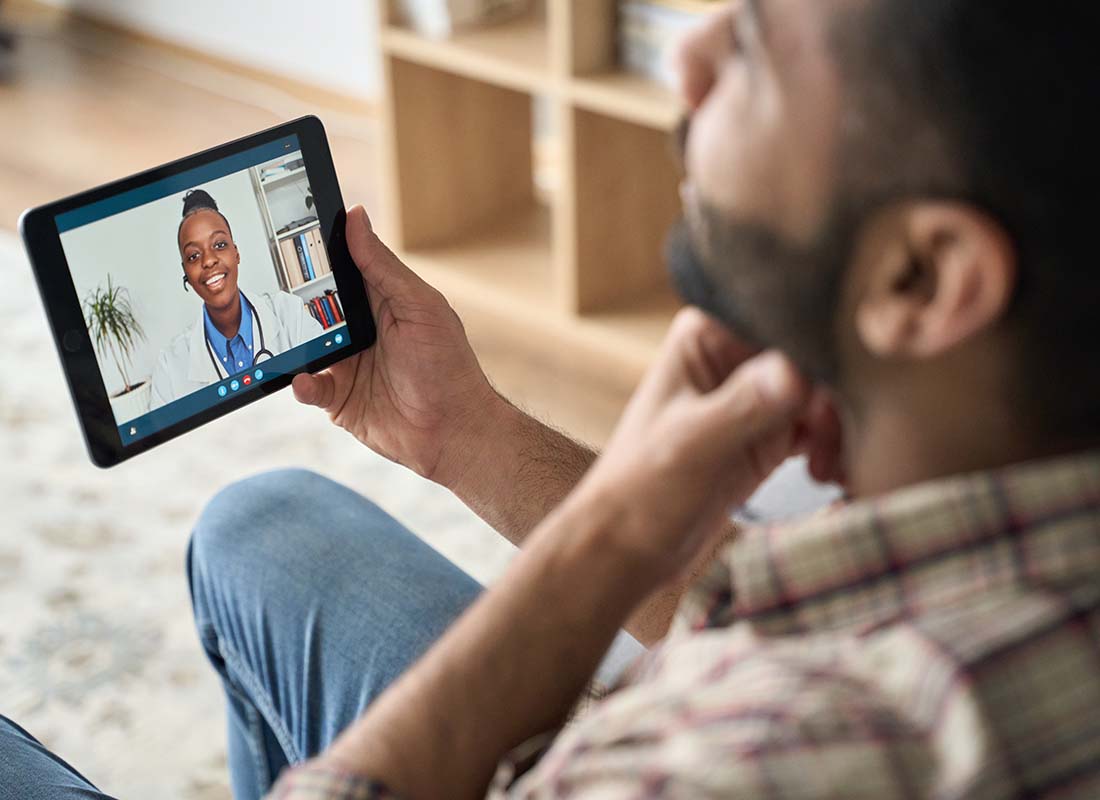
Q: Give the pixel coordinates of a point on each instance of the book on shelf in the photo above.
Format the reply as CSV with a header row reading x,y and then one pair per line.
x,y
438,19
292,270
302,245
304,258
326,309
315,247
325,313
335,300
649,31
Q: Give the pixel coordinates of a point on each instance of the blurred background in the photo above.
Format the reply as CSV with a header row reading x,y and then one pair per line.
x,y
515,153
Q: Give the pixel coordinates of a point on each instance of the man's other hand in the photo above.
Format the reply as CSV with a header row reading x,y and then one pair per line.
x,y
708,424
418,396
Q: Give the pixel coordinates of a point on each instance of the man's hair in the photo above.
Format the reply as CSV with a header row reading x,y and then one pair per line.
x,y
200,200
990,102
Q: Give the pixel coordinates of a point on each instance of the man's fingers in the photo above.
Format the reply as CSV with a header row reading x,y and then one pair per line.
x,y
314,390
762,394
381,269
702,350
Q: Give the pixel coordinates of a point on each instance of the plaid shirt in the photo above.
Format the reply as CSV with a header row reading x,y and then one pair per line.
x,y
940,642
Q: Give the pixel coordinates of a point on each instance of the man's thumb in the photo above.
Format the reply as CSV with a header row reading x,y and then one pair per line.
x,y
381,269
313,390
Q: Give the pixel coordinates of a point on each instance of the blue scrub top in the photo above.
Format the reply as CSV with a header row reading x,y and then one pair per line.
x,y
234,354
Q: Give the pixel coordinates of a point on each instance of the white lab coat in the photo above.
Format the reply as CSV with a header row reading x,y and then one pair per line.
x,y
184,365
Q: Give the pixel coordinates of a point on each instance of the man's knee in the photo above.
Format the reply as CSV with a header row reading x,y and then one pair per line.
x,y
290,523
285,513
266,524
243,515
291,546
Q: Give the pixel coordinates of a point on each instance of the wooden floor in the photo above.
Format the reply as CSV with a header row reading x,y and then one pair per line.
x,y
81,104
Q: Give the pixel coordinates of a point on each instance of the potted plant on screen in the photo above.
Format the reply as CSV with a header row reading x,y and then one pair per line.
x,y
115,332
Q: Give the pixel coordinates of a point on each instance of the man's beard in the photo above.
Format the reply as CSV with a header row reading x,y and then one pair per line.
x,y
769,291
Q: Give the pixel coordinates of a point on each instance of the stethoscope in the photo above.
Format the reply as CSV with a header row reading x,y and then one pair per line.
x,y
261,355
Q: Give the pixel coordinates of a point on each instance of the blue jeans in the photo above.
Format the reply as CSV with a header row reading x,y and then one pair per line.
x,y
309,600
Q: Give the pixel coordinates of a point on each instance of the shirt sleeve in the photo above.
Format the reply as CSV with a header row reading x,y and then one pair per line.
x,y
315,782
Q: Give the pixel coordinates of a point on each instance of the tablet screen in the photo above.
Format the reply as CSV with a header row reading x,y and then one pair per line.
x,y
204,285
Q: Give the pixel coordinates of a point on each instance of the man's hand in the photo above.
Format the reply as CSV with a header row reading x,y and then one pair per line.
x,y
708,424
418,396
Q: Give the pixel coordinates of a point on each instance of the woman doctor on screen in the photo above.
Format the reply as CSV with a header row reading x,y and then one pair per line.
x,y
234,332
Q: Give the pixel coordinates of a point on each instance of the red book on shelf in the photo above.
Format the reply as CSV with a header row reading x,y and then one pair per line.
x,y
326,316
334,304
332,308
336,299
315,304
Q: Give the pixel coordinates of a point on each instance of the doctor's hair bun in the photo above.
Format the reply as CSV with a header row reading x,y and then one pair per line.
x,y
198,200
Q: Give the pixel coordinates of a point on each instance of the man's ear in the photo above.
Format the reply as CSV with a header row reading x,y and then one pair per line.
x,y
948,274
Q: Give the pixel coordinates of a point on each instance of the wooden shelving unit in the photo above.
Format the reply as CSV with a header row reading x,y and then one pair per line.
x,y
583,270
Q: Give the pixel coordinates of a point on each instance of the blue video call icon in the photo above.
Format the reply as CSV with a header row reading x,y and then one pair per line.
x,y
235,385
339,338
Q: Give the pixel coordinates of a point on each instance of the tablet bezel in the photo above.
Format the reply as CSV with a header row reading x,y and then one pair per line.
x,y
39,230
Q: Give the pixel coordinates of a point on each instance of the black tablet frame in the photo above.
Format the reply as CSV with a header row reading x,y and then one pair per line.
x,y
66,318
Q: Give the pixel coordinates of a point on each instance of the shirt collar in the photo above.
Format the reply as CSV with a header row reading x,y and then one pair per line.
x,y
214,336
870,562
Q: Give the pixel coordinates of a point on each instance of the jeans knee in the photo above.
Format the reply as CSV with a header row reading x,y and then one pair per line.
x,y
288,520
256,520
235,515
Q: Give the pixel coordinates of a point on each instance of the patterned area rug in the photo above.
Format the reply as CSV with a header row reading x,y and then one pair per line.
x,y
98,657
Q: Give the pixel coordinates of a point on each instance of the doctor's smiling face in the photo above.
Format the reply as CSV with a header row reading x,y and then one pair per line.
x,y
210,258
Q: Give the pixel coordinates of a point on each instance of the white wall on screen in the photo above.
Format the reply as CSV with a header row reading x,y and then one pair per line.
x,y
138,248
287,202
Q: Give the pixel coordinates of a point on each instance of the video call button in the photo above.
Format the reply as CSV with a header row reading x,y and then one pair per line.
x,y
235,385
339,338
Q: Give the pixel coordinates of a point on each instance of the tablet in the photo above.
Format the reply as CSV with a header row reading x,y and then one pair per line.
x,y
180,294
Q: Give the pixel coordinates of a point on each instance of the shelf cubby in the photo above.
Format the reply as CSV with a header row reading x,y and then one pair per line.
x,y
461,151
586,30
507,264
623,201
581,269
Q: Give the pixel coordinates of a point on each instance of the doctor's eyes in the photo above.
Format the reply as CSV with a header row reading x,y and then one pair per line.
x,y
221,244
